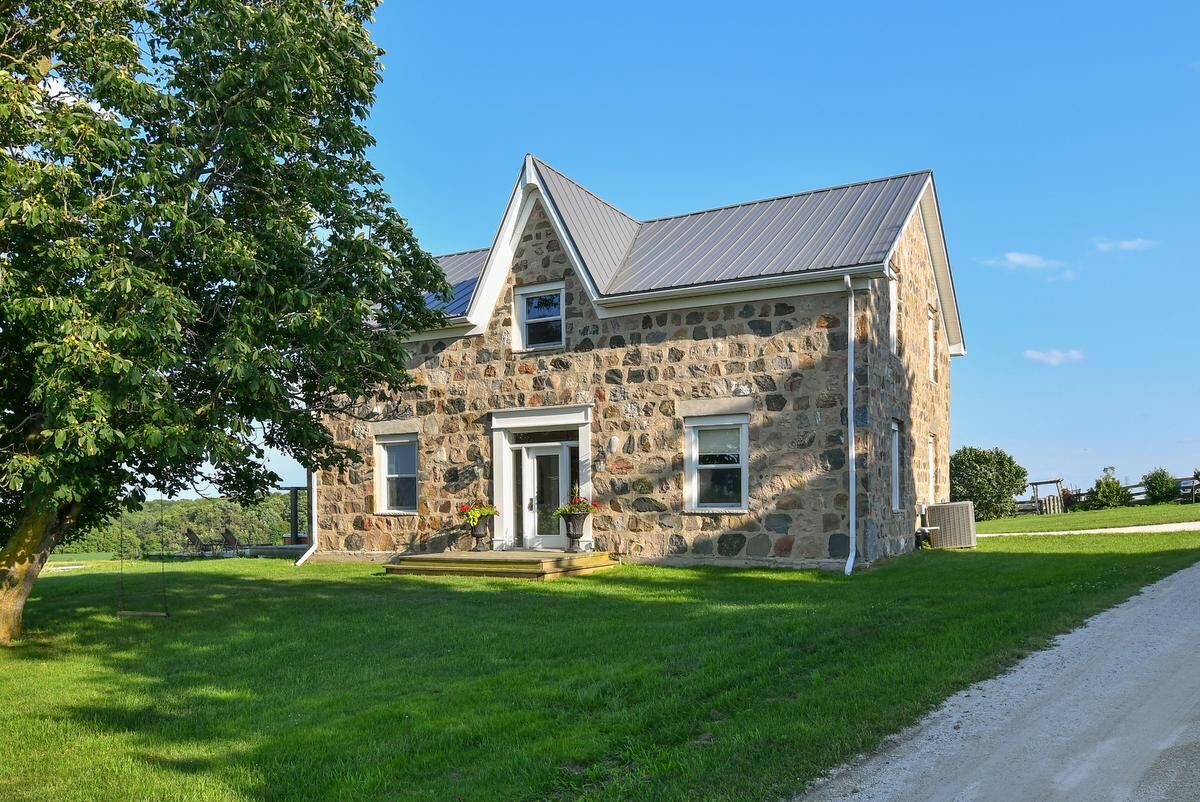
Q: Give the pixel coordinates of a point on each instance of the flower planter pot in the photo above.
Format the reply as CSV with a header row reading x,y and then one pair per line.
x,y
574,523
479,532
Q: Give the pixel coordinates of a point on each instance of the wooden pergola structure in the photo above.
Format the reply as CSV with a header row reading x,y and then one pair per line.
x,y
1035,487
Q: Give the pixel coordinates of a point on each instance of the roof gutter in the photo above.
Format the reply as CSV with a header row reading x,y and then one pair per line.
x,y
717,288
460,325
852,445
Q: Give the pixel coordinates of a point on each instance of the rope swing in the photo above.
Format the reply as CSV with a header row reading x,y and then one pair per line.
x,y
162,559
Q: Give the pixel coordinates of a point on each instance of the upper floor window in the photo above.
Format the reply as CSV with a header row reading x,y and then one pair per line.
x,y
396,473
715,462
933,343
540,316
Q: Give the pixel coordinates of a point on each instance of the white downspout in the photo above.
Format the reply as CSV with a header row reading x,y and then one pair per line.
x,y
852,448
312,518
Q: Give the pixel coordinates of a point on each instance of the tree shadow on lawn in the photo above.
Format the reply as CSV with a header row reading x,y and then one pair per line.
x,y
641,682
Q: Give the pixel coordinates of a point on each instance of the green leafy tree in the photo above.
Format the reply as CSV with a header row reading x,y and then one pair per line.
x,y
137,532
1107,492
1161,486
196,257
990,478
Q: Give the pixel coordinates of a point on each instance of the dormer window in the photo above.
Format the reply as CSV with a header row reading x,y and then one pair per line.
x,y
539,316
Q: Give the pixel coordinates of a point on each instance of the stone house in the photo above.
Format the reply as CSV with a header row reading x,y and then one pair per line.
x,y
701,376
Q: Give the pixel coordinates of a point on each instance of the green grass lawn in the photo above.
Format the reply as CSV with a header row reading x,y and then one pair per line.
x,y
1094,519
82,556
338,682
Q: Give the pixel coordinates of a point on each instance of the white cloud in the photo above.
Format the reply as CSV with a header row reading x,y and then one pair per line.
x,y
1021,260
1055,358
1136,244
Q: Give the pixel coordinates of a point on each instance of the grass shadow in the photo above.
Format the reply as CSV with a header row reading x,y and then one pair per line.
x,y
334,681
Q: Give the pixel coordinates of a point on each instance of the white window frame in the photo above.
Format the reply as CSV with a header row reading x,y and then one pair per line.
x,y
382,441
894,314
932,345
691,460
895,466
519,296
932,457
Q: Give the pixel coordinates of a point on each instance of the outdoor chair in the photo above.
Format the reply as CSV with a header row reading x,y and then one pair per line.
x,y
200,546
231,542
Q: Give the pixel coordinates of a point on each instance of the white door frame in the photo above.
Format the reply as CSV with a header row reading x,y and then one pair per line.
x,y
505,423
529,454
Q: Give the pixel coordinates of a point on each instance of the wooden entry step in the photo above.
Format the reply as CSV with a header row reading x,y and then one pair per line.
x,y
538,565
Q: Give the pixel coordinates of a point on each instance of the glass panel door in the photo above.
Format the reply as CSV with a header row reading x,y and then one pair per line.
x,y
542,488
549,492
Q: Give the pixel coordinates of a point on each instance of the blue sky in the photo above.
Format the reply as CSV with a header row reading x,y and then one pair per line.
x,y
1063,137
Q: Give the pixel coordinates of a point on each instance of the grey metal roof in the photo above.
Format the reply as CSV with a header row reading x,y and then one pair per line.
x,y
462,273
821,230
824,229
600,232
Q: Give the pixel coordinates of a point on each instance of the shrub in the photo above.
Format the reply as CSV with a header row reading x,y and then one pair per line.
x,y
1161,486
1107,493
988,477
1070,498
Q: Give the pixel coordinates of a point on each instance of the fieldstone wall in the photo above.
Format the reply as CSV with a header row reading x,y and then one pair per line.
x,y
787,355
900,390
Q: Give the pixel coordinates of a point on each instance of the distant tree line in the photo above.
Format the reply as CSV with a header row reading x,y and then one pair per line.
x,y
991,478
137,533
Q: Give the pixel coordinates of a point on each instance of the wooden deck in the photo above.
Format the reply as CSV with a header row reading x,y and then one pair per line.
x,y
538,565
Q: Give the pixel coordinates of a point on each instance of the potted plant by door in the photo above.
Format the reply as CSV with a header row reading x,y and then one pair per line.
x,y
476,514
574,513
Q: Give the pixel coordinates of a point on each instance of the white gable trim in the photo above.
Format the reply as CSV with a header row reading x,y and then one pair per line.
x,y
931,221
528,191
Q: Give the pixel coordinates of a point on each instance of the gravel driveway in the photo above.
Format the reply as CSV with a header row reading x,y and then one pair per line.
x,y
1186,526
1110,712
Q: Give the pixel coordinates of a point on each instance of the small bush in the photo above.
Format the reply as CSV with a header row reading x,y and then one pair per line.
x,y
1070,498
989,478
1161,486
1108,493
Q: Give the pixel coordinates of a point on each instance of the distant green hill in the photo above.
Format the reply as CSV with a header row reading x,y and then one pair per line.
x,y
137,533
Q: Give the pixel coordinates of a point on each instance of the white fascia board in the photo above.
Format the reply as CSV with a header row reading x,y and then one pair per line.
x,y
459,327
931,212
755,289
931,221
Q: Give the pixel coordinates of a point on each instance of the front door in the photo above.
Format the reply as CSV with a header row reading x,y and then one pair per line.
x,y
544,486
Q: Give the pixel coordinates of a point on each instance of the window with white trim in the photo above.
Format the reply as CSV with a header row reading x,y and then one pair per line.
x,y
894,314
396,469
932,457
715,462
933,341
540,316
895,466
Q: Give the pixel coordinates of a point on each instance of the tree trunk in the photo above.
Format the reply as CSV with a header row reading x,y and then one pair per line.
x,y
21,561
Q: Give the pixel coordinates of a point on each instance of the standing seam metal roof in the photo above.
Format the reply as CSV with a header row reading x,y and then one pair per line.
x,y
462,271
824,229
